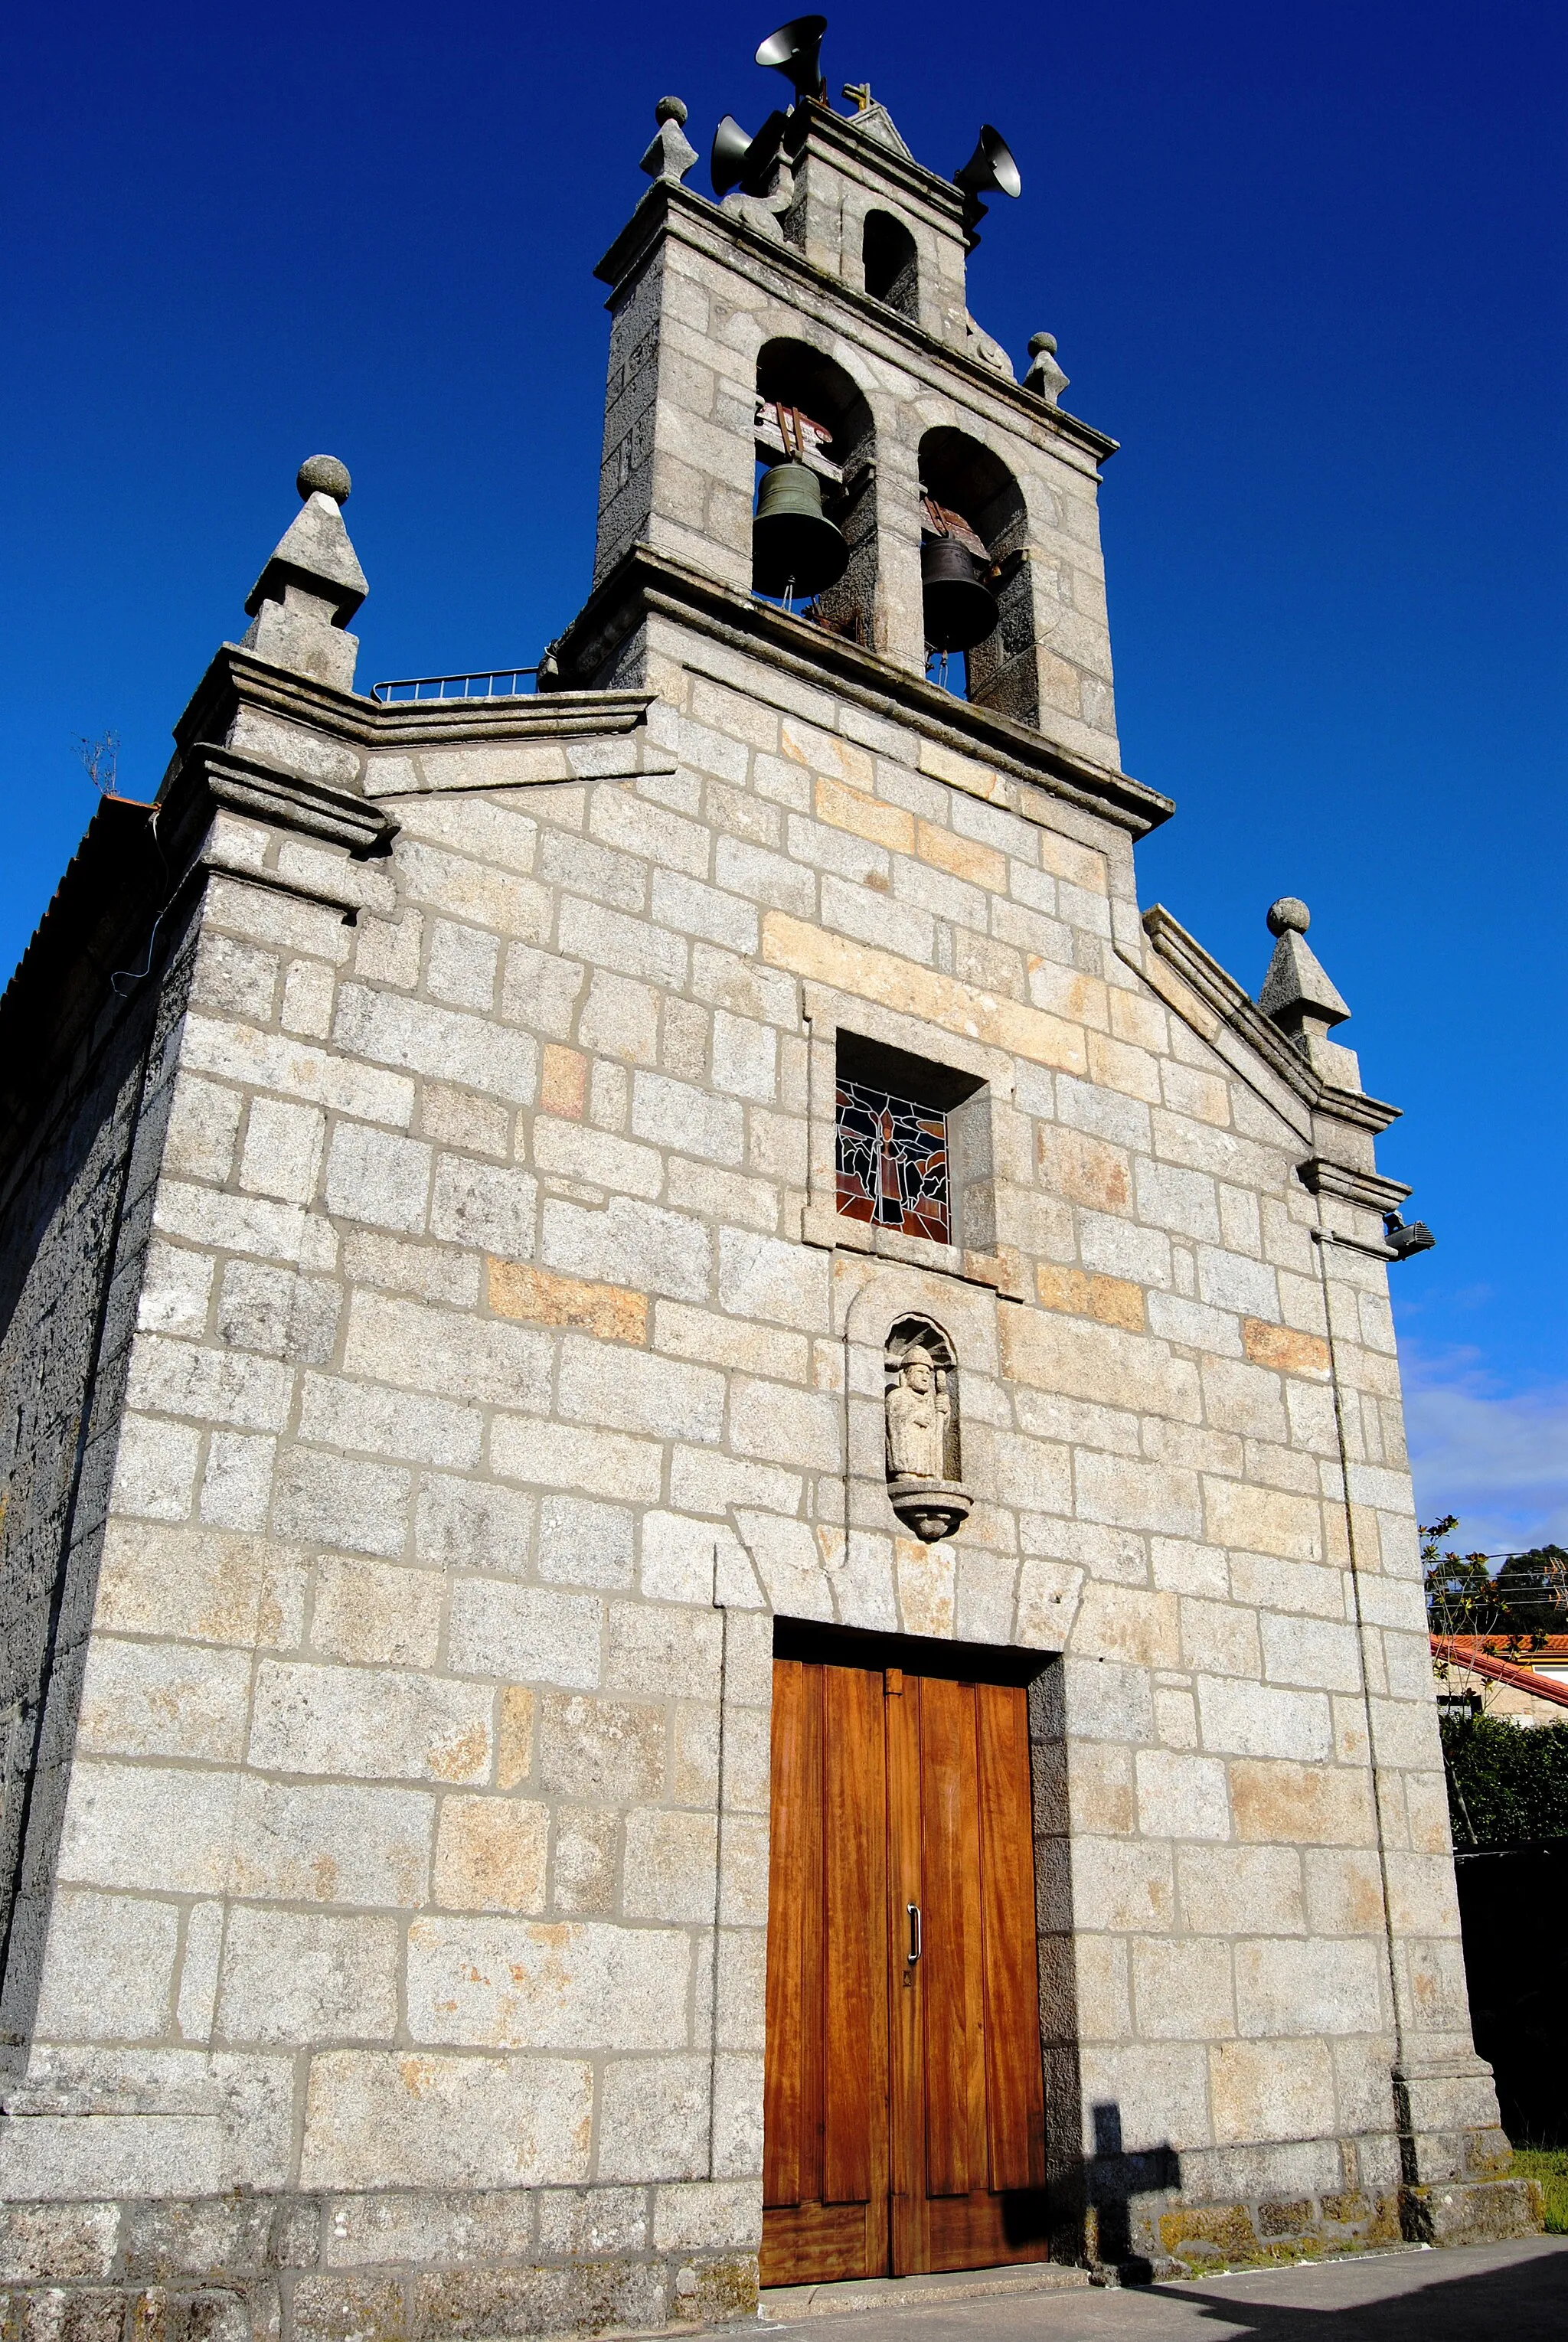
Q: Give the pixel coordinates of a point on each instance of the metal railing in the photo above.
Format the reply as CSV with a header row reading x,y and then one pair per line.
x,y
497,683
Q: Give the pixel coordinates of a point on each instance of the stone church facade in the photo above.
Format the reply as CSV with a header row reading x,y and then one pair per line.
x,y
457,1358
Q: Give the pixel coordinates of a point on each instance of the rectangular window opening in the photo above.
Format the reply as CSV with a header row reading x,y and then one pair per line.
x,y
891,1112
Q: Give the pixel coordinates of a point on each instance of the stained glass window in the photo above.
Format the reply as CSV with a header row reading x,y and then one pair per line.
x,y
892,1161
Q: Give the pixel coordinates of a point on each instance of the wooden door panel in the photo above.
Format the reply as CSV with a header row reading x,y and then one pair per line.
x,y
950,1979
822,2244
1014,2083
824,2097
979,2195
902,2102
791,2066
964,2232
906,2076
854,2024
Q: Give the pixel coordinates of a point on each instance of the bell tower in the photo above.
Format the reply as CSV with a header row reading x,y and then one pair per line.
x,y
795,363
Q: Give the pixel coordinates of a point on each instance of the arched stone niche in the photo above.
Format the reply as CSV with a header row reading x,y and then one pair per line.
x,y
958,472
924,1441
962,1586
792,375
890,260
961,1318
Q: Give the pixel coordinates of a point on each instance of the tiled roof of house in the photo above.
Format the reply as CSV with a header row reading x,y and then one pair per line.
x,y
1475,1652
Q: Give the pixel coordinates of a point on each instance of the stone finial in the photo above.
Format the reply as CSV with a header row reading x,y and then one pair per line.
x,y
1045,377
1298,996
671,154
326,475
301,604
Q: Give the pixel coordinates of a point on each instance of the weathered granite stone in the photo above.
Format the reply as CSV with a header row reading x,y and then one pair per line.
x,y
434,1357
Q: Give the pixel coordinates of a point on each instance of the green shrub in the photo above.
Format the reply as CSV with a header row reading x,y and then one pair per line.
x,y
1549,2164
1507,1783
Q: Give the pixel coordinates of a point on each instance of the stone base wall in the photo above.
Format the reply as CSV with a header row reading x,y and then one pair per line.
x,y
1301,2199
1478,2212
1298,2201
1184,2239
394,2267
416,2265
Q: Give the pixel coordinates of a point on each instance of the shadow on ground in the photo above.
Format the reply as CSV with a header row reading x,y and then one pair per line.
x,y
1490,2293
1525,2301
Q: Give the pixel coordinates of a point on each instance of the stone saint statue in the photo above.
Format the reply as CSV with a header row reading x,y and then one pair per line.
x,y
917,1412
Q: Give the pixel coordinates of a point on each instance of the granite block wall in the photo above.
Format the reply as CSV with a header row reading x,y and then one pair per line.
x,y
502,1369
486,1401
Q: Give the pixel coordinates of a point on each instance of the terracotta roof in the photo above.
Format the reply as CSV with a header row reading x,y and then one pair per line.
x,y
1522,1650
1469,1651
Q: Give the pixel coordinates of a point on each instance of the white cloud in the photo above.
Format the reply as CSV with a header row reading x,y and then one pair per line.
x,y
1497,1459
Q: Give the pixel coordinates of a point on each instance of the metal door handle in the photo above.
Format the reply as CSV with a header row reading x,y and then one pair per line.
x,y
914,1946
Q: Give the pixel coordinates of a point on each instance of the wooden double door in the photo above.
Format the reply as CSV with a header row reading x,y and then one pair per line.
x,y
903,2120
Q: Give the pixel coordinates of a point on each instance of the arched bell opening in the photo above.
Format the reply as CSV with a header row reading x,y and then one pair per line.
x,y
814,534
975,575
890,263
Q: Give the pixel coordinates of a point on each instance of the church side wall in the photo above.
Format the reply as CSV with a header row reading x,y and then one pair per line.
x,y
485,1403
71,1239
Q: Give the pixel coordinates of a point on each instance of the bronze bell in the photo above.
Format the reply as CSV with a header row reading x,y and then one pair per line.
x,y
796,548
960,607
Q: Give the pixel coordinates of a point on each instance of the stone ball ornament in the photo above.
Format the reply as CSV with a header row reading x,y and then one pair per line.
x,y
324,476
1289,915
671,109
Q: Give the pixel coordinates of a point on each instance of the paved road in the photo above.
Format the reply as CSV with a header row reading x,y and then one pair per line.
x,y
1488,2293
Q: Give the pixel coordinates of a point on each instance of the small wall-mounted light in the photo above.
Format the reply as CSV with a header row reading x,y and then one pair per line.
x,y
1404,1241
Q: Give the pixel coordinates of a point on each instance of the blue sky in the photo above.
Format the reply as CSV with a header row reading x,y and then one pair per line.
x,y
1306,264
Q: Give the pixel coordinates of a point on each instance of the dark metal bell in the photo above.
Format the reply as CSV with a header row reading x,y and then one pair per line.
x,y
960,607
796,548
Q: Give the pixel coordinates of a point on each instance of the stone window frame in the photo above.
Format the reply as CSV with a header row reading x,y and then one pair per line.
x,y
981,1138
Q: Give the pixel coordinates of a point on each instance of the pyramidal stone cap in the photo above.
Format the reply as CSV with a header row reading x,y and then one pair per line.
x,y
314,551
312,586
1297,990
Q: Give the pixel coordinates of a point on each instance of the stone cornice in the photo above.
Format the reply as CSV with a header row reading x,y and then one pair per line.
x,y
551,716
1367,1190
646,582
131,870
669,210
264,792
236,679
1235,1007
133,875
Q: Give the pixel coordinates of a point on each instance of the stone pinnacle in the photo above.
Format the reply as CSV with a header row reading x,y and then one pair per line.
x,y
324,476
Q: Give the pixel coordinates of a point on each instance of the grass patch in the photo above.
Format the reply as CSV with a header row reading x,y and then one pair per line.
x,y
1549,2164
